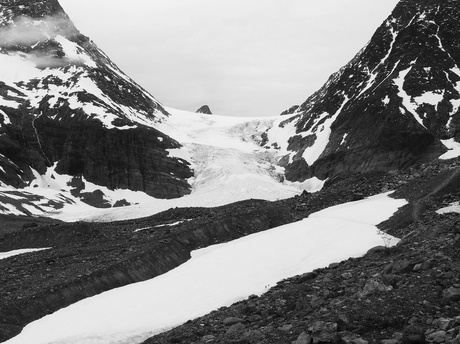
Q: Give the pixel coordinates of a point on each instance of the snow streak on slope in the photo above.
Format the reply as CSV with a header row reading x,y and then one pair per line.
x,y
228,162
454,149
4,255
216,276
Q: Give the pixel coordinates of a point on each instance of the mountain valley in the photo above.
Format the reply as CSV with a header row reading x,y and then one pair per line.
x,y
103,188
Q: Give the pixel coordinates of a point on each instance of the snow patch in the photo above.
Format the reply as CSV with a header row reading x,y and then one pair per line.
x,y
74,52
454,149
432,98
4,255
410,106
452,208
6,119
344,138
323,133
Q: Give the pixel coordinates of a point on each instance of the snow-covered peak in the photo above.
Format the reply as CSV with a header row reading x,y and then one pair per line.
x,y
67,100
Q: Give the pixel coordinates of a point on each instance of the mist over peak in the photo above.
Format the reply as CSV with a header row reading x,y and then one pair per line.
x,y
26,31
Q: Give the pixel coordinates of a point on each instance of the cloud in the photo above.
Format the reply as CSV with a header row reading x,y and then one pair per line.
x,y
28,32
43,61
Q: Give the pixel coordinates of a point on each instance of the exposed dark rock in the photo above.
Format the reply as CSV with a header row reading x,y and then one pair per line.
x,y
304,338
413,335
376,120
232,321
325,332
452,294
374,286
205,110
290,111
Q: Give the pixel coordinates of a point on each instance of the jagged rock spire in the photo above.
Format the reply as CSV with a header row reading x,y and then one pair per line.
x,y
205,110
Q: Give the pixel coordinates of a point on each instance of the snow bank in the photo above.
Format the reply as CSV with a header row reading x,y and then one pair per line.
x,y
4,255
452,208
216,276
454,149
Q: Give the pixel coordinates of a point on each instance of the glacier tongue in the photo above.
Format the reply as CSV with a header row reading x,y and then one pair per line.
x,y
228,162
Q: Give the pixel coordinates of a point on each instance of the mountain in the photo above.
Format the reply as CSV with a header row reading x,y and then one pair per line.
x,y
204,109
394,105
76,134
65,106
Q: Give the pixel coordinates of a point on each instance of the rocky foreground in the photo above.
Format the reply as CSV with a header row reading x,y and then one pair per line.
x,y
406,294
409,293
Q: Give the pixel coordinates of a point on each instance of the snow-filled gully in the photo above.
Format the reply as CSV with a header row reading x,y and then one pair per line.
x,y
217,276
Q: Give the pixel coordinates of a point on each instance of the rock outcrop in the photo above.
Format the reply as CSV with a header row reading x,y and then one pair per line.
x,y
205,110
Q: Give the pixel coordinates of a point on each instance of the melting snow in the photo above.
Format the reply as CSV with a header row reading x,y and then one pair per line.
x,y
432,98
454,149
6,119
386,100
4,255
409,105
217,276
323,132
452,208
74,52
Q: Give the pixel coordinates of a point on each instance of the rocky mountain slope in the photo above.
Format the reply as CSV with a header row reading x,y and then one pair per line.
x,y
64,104
395,104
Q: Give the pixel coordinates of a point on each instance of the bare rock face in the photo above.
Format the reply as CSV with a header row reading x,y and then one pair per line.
x,y
290,111
205,110
389,107
64,104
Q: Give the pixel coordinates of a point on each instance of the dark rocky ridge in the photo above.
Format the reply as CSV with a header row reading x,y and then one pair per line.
x,y
124,154
290,111
373,128
204,109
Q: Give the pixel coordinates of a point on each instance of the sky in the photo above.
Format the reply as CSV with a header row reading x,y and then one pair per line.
x,y
240,57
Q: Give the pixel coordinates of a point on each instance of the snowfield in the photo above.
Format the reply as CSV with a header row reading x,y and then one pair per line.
x,y
217,276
